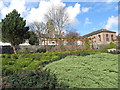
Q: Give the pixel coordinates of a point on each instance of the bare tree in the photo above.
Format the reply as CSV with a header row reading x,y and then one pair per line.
x,y
51,33
40,30
60,17
71,35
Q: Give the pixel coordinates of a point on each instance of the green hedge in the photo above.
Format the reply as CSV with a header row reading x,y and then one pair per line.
x,y
31,79
12,63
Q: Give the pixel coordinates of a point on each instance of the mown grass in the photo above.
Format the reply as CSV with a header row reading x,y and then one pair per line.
x,y
91,71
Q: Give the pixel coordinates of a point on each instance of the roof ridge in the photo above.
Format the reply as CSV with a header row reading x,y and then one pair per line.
x,y
96,32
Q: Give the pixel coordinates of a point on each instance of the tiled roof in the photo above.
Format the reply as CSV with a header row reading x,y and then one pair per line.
x,y
98,31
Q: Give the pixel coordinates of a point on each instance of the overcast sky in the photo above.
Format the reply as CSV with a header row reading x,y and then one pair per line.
x,y
85,16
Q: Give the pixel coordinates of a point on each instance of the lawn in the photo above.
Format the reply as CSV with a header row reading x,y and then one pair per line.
x,y
91,71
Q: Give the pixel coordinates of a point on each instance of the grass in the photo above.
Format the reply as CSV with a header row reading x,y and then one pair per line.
x,y
92,71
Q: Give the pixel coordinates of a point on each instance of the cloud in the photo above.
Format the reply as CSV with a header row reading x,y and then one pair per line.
x,y
1,5
73,12
19,5
110,0
32,14
85,9
87,21
116,8
37,14
112,21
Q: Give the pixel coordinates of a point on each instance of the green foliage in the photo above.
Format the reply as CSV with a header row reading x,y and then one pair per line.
x,y
112,45
92,71
12,63
87,44
118,46
0,30
14,56
32,79
13,29
33,39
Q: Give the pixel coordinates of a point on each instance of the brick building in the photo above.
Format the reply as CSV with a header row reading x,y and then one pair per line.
x,y
101,37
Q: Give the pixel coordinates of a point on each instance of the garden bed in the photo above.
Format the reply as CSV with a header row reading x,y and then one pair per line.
x,y
92,71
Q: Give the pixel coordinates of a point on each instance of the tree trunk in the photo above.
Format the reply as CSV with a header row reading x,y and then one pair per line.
x,y
14,49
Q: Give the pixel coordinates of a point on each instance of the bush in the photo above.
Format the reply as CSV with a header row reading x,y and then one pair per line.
x,y
6,50
32,79
33,65
40,50
14,56
112,45
33,39
8,56
10,69
87,44
2,56
12,63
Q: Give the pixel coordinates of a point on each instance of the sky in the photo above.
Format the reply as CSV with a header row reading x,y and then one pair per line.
x,y
85,16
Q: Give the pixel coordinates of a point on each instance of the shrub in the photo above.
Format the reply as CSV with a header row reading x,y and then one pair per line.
x,y
7,49
8,56
112,45
9,70
2,56
24,62
14,56
28,61
33,65
87,44
33,39
40,50
32,79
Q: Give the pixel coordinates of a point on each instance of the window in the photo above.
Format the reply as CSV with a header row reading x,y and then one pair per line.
x,y
111,37
107,38
53,42
99,36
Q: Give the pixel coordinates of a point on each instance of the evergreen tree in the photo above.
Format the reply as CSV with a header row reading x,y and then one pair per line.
x,y
14,30
33,39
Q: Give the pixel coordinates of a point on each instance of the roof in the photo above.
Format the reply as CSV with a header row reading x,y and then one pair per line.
x,y
98,31
118,37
